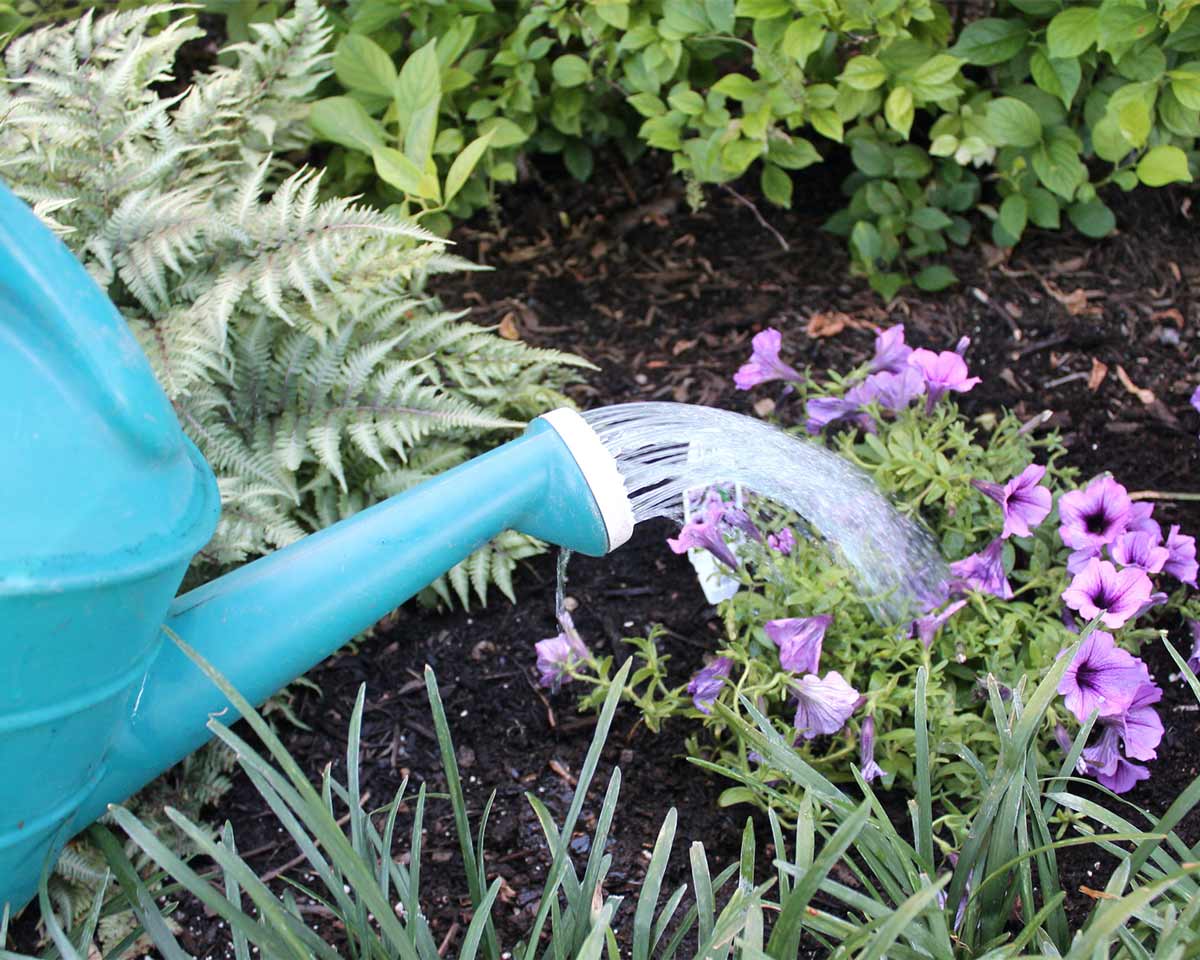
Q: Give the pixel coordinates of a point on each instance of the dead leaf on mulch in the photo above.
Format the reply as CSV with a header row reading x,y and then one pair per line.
x,y
508,327
1076,301
1096,377
560,770
764,407
1146,396
1171,313
822,325
1097,894
826,324
1070,265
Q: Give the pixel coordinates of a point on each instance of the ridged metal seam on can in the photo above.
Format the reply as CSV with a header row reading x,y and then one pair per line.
x,y
41,716
87,572
52,819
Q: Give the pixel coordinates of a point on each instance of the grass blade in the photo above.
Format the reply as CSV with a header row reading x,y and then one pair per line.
x,y
881,942
785,937
924,761
643,917
458,803
140,900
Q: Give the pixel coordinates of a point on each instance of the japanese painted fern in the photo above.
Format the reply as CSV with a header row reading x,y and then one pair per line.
x,y
293,334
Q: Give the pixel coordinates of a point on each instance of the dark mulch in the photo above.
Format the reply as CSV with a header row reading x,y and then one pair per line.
x,y
665,300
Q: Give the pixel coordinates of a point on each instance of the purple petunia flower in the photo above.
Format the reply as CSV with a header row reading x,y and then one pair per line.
x,y
891,352
1139,730
703,532
1141,520
822,411
1023,503
1099,589
943,372
706,685
1181,562
926,628
1105,763
1194,401
1139,550
866,756
554,659
799,641
1193,660
984,571
764,364
783,541
1094,516
557,656
1101,676
1154,600
1078,559
1062,738
823,706
738,519
1139,726
892,391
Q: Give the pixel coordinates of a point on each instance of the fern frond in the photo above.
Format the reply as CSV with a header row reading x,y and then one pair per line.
x,y
149,234
294,335
76,866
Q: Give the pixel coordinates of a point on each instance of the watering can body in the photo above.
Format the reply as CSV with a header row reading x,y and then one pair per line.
x,y
105,503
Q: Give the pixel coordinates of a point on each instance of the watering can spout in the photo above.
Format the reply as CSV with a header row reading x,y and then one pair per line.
x,y
116,500
267,623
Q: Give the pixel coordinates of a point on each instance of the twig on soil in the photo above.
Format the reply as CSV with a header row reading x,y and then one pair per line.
x,y
450,935
1043,344
1069,378
757,215
516,855
1034,422
1162,495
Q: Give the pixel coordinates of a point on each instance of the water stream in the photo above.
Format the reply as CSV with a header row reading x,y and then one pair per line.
x,y
664,450
560,586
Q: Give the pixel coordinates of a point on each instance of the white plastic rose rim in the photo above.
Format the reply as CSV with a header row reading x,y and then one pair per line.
x,y
600,473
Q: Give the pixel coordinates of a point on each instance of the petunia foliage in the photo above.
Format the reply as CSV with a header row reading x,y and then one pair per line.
x,y
1011,520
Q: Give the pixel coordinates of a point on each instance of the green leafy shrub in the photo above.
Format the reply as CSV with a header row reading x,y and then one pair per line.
x,y
1052,104
797,619
409,99
294,336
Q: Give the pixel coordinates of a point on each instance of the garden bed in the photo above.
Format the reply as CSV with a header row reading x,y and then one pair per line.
x,y
665,302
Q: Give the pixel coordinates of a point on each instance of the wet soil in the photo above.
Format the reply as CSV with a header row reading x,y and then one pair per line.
x,y
664,300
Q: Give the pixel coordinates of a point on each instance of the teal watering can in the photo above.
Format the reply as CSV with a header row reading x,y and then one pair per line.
x,y
105,501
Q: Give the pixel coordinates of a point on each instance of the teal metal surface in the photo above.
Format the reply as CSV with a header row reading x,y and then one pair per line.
x,y
105,501
110,501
